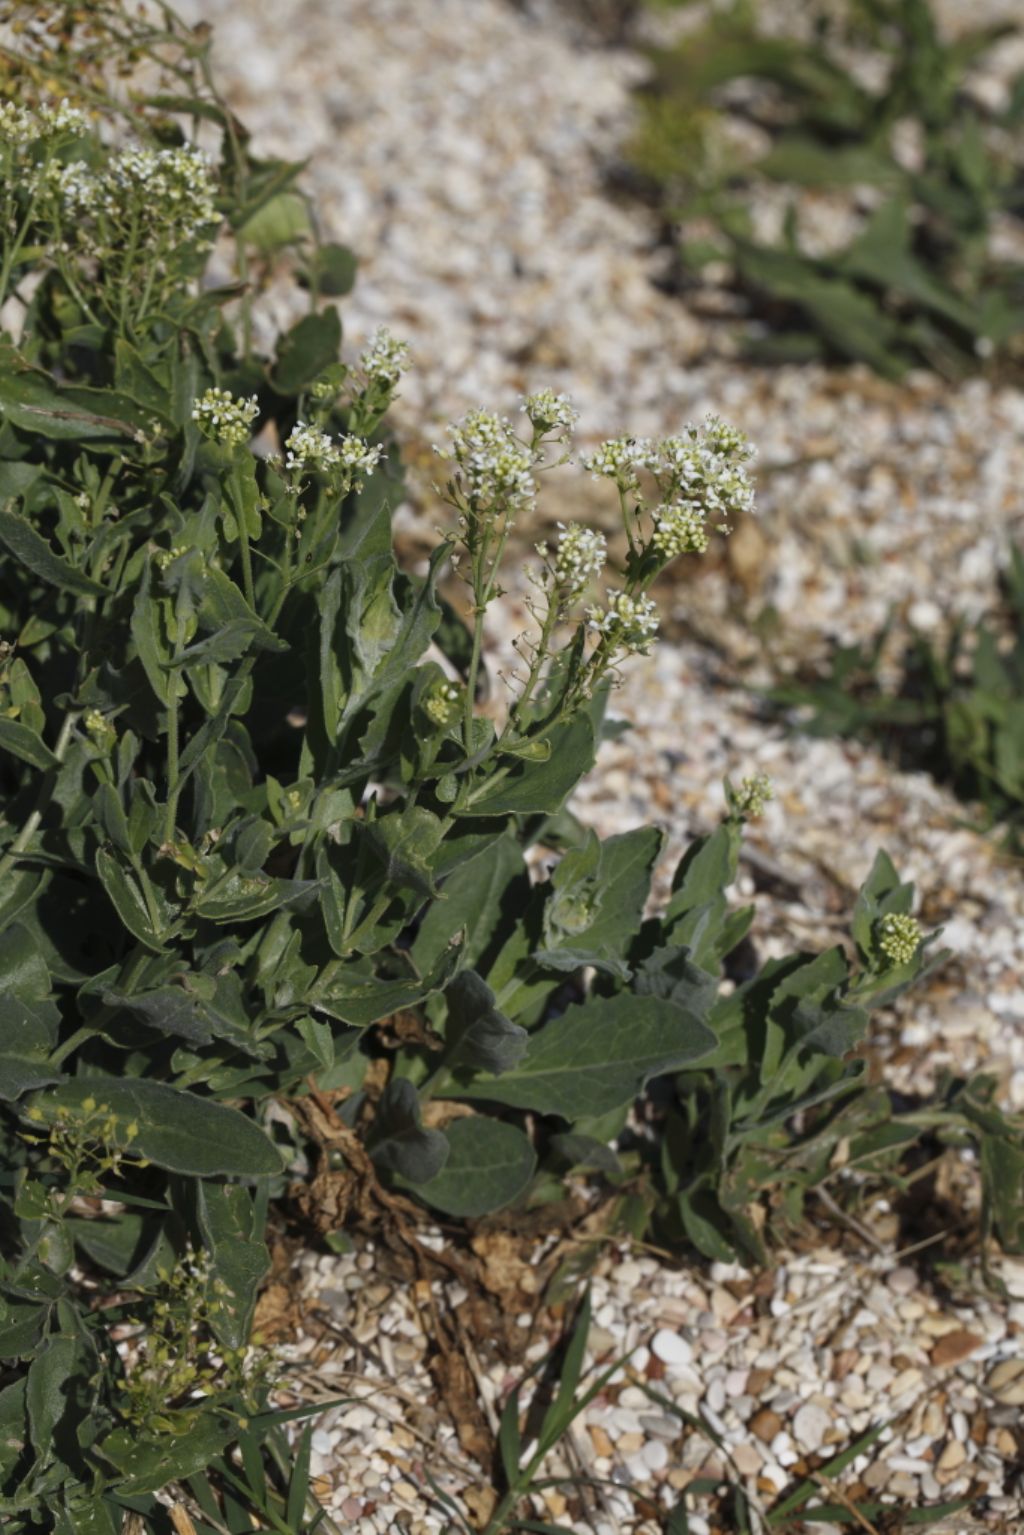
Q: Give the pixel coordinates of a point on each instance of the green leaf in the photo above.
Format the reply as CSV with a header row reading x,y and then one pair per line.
x,y
331,270
283,220
28,1034
228,1223
539,788
597,1056
22,742
147,1465
489,1166
355,995
306,350
45,1391
398,1140
20,538
477,1036
172,1128
128,900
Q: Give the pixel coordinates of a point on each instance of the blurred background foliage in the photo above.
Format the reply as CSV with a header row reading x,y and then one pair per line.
x,y
886,224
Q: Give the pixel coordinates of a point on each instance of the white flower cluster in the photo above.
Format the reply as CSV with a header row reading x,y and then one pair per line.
x,y
620,459
165,195
224,418
579,557
629,623
706,464
173,187
18,125
679,528
495,466
385,359
551,412
899,937
308,448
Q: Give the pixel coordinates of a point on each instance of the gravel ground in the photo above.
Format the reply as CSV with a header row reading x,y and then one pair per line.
x,y
461,148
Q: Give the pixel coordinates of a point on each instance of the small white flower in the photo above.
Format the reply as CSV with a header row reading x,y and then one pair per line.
x,y
629,623
310,449
495,467
550,412
620,459
579,557
224,418
385,359
705,465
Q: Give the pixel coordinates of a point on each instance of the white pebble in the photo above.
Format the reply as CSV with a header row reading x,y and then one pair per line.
x,y
810,1425
655,1454
671,1349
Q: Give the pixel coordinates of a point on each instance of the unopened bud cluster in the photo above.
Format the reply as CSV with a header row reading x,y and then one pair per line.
x,y
385,358
224,418
899,937
441,704
752,796
579,557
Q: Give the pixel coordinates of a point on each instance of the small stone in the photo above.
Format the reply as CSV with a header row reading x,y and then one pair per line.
x,y
954,1346
655,1454
746,1459
903,1281
602,1444
670,1348
1004,1372
952,1456
321,1442
661,1428
810,1425
715,1397
406,1491
903,1485
906,1380
765,1424
630,1443
352,1508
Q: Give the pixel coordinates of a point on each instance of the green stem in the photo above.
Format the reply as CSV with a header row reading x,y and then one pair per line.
x,y
172,762
43,798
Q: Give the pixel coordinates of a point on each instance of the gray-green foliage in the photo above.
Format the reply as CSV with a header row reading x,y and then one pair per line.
x,y
253,818
920,281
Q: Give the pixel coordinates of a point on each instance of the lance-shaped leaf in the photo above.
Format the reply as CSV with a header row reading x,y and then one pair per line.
x,y
539,788
596,905
21,741
20,538
597,1056
228,1223
354,994
173,1128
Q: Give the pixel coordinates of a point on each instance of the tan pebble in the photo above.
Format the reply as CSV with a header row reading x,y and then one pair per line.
x,y
1004,1372
602,1444
321,1487
1011,1395
747,1460
954,1346
758,1381
1006,1444
630,1443
680,1478
934,1420
937,1326
402,1438
406,1491
843,1363
724,1305
557,1505
905,1381
952,1456
765,1424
